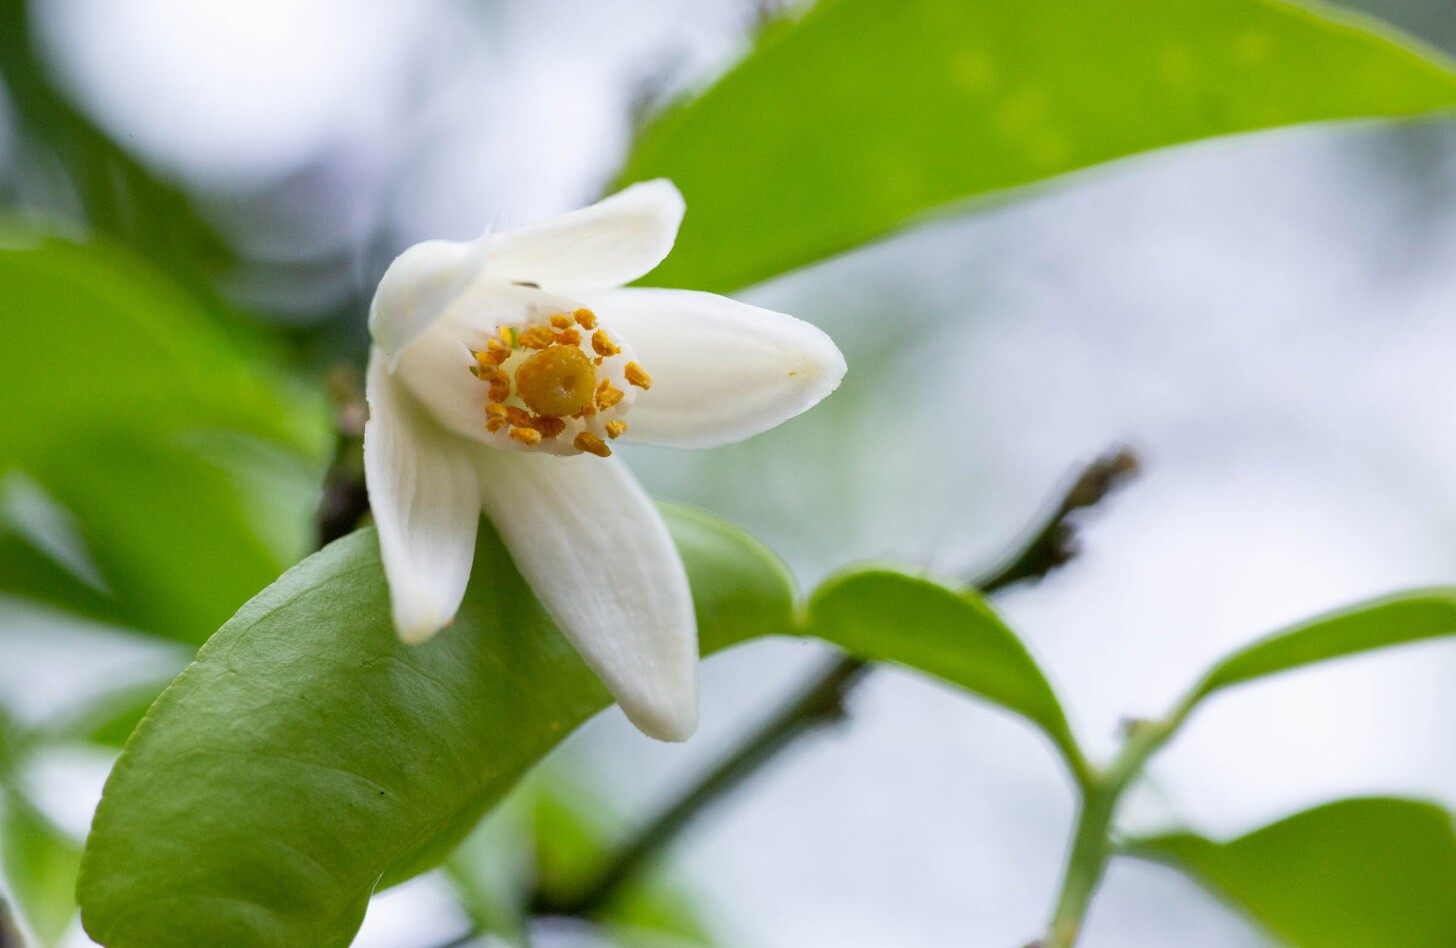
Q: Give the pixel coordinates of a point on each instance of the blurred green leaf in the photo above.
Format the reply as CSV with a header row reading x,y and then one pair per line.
x,y
185,461
307,751
556,833
40,865
889,616
1396,620
1364,873
867,116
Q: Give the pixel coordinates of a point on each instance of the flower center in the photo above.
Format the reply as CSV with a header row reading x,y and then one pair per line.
x,y
557,381
565,399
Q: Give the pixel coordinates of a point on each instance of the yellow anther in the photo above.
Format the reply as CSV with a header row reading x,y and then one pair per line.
x,y
557,381
567,337
534,337
585,318
496,411
602,345
518,417
636,375
500,386
527,436
561,321
591,444
497,350
615,429
607,395
549,427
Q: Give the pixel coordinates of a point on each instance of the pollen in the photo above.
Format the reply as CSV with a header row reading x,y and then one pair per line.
x,y
527,436
607,395
567,337
561,321
534,337
603,346
549,427
500,386
591,444
585,318
556,382
636,375
615,429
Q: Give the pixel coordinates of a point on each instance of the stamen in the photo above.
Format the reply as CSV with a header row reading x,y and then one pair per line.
x,y
534,337
561,321
603,346
615,429
549,427
568,337
591,444
636,375
518,417
608,395
585,318
527,436
557,381
500,386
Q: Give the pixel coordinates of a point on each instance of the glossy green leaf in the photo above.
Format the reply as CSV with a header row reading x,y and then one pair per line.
x,y
866,115
884,615
307,752
186,464
1396,620
1364,873
40,864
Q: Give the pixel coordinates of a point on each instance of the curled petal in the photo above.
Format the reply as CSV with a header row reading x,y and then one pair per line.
x,y
599,558
610,243
425,497
721,370
417,290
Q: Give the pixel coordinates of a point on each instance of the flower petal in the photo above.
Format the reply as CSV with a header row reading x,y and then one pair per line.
x,y
598,556
721,370
418,288
610,243
425,496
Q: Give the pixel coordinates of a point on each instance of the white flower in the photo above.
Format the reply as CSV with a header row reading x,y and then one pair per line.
x,y
502,371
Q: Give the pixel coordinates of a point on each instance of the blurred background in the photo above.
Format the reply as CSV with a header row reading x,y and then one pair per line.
x,y
1268,320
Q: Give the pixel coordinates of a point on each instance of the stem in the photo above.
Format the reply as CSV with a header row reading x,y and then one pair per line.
x,y
820,704
1092,845
822,700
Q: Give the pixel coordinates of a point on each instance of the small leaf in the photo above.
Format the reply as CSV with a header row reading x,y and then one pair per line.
x,y
1396,620
307,752
1362,873
884,615
867,116
40,865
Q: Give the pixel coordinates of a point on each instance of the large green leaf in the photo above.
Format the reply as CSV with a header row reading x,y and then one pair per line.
x,y
40,865
1396,620
307,752
885,615
1365,873
867,114
184,460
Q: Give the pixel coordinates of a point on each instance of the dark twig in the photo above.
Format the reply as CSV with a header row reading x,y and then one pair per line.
x,y
822,700
345,500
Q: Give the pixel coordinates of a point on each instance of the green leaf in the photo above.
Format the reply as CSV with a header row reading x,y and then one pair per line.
x,y
885,615
1363,873
186,463
307,752
40,865
867,116
1396,620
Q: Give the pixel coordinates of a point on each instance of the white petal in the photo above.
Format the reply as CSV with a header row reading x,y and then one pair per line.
x,y
721,370
425,495
418,288
599,557
610,243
